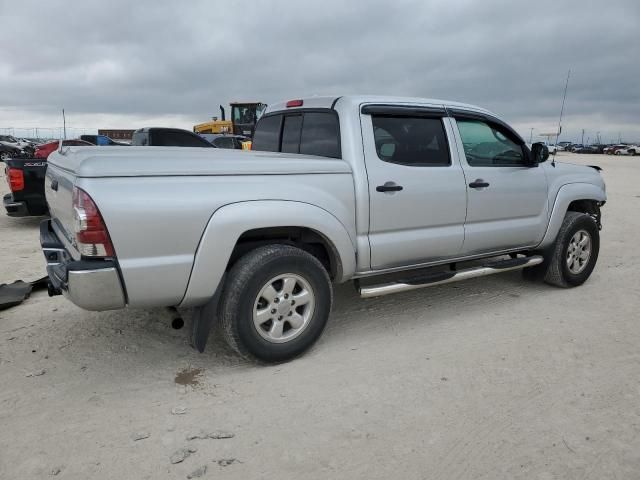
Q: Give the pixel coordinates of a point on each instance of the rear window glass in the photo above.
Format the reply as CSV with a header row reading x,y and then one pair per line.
x,y
267,135
177,139
413,141
291,134
320,134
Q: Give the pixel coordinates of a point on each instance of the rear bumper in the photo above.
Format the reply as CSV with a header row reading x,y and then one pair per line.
x,y
13,208
90,284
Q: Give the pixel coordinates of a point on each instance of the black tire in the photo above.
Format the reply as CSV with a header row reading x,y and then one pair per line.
x,y
243,285
558,272
5,156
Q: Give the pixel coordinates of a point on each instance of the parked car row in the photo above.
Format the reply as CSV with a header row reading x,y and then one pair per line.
x,y
15,147
626,150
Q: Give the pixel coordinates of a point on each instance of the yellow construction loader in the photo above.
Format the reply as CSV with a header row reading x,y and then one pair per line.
x,y
244,116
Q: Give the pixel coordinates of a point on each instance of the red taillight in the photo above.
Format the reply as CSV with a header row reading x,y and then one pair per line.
x,y
92,236
15,177
294,103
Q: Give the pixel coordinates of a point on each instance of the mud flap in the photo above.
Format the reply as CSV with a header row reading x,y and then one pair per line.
x,y
203,318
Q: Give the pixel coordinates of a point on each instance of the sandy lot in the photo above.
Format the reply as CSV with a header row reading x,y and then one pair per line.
x,y
488,379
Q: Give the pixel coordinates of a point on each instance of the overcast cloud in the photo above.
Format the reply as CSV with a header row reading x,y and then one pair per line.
x,y
126,64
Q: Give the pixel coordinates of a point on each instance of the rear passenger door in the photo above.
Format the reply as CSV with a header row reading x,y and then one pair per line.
x,y
417,191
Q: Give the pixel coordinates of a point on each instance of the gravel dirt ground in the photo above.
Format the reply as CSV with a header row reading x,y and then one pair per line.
x,y
493,378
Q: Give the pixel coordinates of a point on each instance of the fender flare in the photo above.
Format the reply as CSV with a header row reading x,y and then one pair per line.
x,y
566,194
229,222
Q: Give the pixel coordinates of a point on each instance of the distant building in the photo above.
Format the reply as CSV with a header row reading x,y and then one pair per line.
x,y
117,134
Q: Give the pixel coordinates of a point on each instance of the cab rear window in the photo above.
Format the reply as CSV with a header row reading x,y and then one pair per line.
x,y
305,132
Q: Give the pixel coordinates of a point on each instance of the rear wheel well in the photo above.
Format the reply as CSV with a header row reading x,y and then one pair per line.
x,y
590,207
304,238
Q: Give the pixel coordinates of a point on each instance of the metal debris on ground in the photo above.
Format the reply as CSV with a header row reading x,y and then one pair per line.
x,y
12,294
179,455
216,435
198,472
140,436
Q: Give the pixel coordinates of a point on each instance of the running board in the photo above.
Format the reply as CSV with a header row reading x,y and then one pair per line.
x,y
440,278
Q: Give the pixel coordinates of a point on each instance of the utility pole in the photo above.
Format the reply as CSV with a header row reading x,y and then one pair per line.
x,y
582,141
531,135
64,124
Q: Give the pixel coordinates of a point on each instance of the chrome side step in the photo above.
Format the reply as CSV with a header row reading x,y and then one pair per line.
x,y
440,278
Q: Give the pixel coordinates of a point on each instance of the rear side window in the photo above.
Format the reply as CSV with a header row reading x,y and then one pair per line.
x,y
291,133
320,135
412,141
267,135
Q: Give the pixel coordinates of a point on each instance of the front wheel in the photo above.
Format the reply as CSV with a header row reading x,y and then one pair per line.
x,y
575,252
275,303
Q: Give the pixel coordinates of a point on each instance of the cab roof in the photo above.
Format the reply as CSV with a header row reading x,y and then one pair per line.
x,y
357,100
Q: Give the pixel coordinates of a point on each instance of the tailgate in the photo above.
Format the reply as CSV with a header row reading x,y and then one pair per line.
x,y
58,188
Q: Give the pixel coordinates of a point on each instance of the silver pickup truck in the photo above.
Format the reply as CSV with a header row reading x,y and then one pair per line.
x,y
392,193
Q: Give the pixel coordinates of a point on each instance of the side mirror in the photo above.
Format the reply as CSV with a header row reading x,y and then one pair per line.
x,y
539,152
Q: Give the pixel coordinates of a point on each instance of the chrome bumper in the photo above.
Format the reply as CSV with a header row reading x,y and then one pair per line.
x,y
90,284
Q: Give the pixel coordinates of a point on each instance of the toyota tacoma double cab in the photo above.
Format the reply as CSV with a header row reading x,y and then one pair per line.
x,y
393,194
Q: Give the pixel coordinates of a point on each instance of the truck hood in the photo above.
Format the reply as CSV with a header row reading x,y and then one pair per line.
x,y
92,162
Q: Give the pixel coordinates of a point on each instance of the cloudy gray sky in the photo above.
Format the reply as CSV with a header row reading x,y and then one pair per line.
x,y
129,64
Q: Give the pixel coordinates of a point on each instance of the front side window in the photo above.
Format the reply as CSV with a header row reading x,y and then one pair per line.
x,y
487,145
412,141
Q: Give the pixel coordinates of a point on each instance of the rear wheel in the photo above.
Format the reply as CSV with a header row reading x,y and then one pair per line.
x,y
5,156
275,304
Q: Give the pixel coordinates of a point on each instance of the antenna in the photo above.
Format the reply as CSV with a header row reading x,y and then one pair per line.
x,y
564,96
64,136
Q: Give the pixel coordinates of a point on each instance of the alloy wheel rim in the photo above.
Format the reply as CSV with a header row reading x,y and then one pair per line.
x,y
579,251
283,308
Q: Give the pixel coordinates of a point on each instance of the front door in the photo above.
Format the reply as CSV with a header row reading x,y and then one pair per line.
x,y
507,197
417,195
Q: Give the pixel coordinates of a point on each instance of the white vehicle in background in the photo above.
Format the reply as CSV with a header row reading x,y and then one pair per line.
x,y
628,150
553,149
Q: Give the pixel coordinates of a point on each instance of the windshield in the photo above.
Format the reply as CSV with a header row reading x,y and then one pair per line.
x,y
244,114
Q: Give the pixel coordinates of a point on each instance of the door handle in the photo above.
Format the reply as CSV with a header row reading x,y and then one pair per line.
x,y
479,183
389,187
